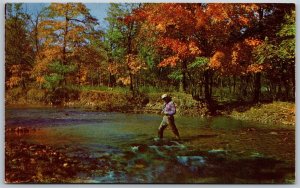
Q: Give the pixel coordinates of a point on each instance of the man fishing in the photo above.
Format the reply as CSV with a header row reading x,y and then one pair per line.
x,y
168,111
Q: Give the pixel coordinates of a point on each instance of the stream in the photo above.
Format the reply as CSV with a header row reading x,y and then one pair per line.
x,y
120,148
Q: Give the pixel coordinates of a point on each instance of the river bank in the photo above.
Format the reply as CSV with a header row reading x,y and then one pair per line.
x,y
110,101
275,113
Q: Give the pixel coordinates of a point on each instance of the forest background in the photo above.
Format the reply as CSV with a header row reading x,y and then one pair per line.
x,y
212,58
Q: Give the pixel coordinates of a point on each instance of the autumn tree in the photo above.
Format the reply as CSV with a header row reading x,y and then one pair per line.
x,y
121,40
245,52
66,32
261,20
19,56
197,30
226,34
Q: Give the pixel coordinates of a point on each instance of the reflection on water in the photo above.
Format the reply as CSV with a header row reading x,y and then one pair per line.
x,y
126,141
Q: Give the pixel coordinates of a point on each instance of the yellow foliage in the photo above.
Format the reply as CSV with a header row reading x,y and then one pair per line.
x,y
113,68
194,49
13,81
14,69
160,27
254,68
40,79
215,61
234,57
124,80
135,64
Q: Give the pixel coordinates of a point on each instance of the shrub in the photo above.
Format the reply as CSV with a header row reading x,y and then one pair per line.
x,y
13,95
36,95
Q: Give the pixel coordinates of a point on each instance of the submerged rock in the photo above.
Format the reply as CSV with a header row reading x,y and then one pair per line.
x,y
256,155
192,162
217,151
134,149
157,151
139,148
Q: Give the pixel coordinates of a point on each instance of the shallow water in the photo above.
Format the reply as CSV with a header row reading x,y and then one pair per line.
x,y
89,128
206,154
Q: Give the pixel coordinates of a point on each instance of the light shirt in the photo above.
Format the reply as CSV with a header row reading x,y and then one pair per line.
x,y
169,108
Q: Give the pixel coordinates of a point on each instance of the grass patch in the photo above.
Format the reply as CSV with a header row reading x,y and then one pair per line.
x,y
279,113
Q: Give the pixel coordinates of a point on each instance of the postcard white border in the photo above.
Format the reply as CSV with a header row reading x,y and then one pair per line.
x,y
2,97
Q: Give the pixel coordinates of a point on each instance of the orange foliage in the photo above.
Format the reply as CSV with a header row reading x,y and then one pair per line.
x,y
254,68
172,61
134,64
216,60
176,26
18,71
186,31
113,68
13,81
40,79
64,37
253,42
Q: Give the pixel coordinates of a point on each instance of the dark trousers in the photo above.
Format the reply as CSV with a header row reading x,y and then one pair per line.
x,y
167,120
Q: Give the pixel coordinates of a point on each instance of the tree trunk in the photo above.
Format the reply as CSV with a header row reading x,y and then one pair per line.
x,y
184,76
286,87
294,87
129,40
257,87
131,84
234,83
111,80
211,84
279,92
206,86
221,88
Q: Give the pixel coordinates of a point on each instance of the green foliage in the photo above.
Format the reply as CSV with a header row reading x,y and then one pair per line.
x,y
116,89
199,62
176,75
149,89
114,36
286,49
265,52
148,54
282,47
60,68
289,27
53,81
58,72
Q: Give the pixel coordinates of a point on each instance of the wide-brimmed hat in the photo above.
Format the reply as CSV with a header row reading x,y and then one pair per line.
x,y
164,96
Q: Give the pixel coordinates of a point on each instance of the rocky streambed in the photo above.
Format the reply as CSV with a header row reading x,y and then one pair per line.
x,y
118,148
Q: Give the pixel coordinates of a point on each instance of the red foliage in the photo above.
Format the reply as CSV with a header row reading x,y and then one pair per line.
x,y
185,31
